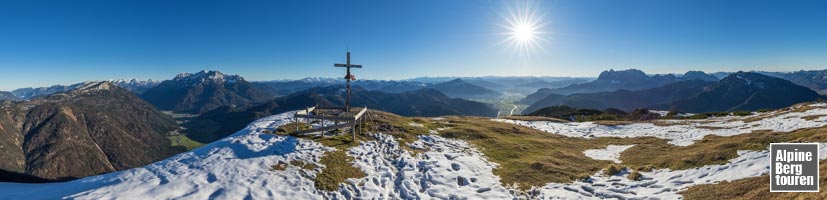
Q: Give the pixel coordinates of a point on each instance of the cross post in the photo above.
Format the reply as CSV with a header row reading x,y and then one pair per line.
x,y
348,77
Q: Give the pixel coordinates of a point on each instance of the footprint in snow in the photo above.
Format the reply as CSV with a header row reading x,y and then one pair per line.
x,y
462,181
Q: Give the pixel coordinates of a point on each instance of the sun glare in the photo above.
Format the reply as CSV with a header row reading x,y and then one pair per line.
x,y
523,32
523,27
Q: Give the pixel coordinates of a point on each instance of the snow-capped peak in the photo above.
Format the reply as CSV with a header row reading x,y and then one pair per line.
x,y
204,75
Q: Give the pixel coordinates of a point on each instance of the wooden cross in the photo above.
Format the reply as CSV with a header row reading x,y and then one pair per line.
x,y
348,77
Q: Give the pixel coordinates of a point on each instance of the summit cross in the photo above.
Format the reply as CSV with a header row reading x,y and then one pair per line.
x,y
348,77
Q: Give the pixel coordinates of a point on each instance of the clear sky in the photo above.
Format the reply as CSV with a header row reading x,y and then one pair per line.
x,y
66,41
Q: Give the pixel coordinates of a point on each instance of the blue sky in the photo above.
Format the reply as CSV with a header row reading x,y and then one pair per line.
x,y
60,42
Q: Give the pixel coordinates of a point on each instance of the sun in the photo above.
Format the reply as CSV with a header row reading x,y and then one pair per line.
x,y
523,28
523,32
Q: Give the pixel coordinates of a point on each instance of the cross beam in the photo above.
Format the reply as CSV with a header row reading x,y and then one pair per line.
x,y
348,77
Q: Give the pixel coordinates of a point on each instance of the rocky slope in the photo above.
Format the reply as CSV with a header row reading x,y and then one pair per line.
x,y
96,128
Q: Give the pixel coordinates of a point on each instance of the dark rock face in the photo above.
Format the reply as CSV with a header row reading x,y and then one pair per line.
x,y
203,91
221,122
97,128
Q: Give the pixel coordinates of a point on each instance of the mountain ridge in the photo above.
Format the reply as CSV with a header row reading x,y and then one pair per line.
x,y
93,129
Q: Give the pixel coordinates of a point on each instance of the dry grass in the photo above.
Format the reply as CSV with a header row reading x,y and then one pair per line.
x,y
803,107
338,168
755,188
529,157
535,118
303,165
612,170
812,117
712,149
281,166
289,129
669,123
635,176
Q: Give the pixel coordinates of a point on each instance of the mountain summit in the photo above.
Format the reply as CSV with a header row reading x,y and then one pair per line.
x,y
203,91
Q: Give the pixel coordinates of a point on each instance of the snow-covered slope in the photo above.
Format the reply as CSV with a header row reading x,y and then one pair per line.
x,y
239,167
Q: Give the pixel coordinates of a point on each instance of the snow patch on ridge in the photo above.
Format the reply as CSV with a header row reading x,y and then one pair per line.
x,y
686,132
611,152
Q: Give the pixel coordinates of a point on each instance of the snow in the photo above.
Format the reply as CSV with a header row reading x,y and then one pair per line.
x,y
660,112
664,183
239,167
450,169
414,124
686,132
611,152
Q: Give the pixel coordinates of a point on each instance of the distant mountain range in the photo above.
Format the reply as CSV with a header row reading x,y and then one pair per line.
x,y
135,86
511,84
203,91
627,100
738,91
612,80
96,128
424,102
456,88
8,96
286,87
745,91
